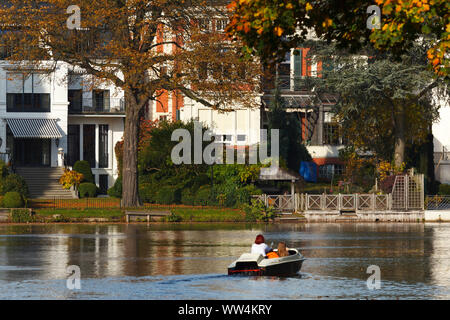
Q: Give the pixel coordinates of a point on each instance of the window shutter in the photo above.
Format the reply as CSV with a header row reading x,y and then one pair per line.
x,y
298,64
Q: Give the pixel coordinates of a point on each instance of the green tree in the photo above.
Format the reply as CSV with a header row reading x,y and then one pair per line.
x,y
391,99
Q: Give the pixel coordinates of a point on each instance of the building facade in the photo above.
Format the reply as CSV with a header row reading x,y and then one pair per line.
x,y
441,143
54,119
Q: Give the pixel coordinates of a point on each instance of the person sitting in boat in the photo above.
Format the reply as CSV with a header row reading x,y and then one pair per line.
x,y
260,247
282,250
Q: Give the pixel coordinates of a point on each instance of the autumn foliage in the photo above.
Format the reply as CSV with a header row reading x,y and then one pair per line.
x,y
270,27
144,47
70,178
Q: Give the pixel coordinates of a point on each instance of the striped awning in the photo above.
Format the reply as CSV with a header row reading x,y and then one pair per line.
x,y
34,128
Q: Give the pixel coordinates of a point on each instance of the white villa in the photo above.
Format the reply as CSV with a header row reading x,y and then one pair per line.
x,y
49,121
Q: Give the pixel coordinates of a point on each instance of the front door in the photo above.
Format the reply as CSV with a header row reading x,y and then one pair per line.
x,y
32,152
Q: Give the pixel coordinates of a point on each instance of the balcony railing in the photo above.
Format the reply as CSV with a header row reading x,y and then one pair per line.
x,y
285,82
90,105
437,202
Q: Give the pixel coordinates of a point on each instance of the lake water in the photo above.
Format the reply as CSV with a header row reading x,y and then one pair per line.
x,y
162,261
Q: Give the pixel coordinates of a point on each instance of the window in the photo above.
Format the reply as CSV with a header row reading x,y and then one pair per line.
x,y
241,137
284,72
204,24
227,138
221,24
331,133
103,183
100,100
103,146
298,59
75,100
28,102
332,130
162,118
89,144
73,144
8,41
5,51
27,93
328,171
339,169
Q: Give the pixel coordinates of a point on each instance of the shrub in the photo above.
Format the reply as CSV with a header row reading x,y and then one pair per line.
x,y
4,169
200,180
204,196
168,195
187,197
147,192
87,189
14,182
21,215
444,189
257,211
243,194
173,218
116,190
13,199
83,167
70,178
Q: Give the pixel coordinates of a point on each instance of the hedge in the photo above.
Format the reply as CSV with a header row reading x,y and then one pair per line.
x,y
14,182
21,216
168,195
83,167
116,190
87,189
13,199
444,189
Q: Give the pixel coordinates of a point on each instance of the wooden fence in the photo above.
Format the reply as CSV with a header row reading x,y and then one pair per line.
x,y
368,202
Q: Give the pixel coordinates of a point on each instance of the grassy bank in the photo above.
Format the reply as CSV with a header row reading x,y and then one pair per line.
x,y
182,214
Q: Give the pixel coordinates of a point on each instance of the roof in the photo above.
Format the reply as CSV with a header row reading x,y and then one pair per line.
x,y
276,173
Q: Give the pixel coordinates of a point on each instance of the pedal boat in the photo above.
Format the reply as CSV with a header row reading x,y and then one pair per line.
x,y
258,265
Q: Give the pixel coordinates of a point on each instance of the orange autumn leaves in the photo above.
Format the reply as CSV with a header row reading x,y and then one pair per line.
x,y
429,18
265,25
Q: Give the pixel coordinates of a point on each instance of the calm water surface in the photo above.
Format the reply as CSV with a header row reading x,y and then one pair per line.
x,y
140,261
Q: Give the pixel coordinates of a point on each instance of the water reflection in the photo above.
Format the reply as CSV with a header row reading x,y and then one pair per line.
x,y
414,260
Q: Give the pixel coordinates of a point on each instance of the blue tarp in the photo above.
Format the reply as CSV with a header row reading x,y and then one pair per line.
x,y
308,170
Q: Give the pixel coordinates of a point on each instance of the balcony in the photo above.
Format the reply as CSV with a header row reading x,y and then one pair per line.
x,y
105,105
285,83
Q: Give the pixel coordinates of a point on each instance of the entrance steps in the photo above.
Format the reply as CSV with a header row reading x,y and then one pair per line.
x,y
43,182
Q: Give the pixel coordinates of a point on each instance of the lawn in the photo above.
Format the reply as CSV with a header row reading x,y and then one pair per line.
x,y
187,214
80,213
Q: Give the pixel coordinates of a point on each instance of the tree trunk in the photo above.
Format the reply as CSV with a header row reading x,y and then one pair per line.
x,y
399,135
130,195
